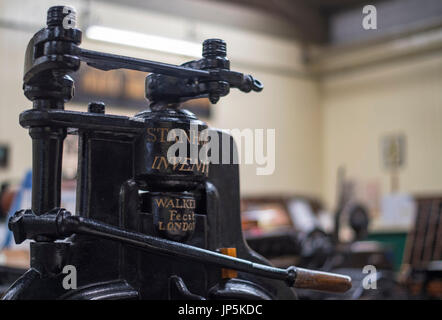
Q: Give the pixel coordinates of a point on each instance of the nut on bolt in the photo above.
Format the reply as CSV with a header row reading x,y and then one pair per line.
x,y
56,16
96,107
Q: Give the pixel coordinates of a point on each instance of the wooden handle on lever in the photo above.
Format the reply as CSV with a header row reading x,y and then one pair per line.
x,y
324,281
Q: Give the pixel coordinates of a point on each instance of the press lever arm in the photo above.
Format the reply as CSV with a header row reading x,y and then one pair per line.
x,y
59,224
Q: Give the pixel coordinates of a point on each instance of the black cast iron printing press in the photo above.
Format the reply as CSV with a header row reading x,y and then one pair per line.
x,y
144,228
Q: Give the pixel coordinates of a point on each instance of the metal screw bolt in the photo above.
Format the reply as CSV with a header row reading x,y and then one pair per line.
x,y
214,48
96,107
56,15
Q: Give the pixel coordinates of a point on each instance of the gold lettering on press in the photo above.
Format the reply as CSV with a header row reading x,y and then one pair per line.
x,y
161,163
160,135
175,203
176,226
178,220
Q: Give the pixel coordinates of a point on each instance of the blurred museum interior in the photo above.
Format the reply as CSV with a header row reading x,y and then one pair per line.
x,y
355,102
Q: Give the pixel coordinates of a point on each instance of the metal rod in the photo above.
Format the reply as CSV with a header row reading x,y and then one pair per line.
x,y
293,276
83,225
47,149
108,61
61,223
